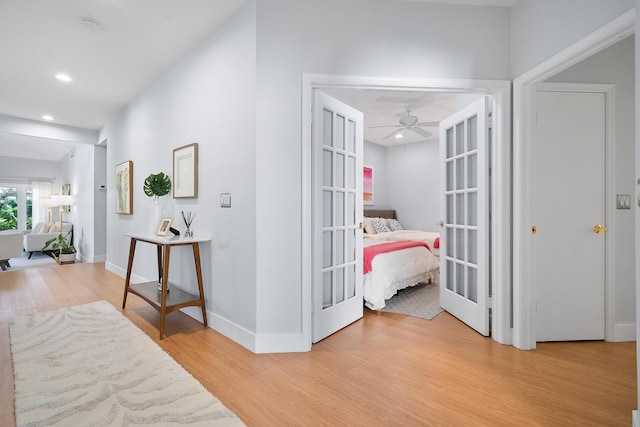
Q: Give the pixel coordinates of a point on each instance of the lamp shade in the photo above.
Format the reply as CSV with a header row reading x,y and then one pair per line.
x,y
61,200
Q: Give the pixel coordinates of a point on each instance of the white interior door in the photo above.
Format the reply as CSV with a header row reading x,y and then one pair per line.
x,y
464,250
570,202
336,215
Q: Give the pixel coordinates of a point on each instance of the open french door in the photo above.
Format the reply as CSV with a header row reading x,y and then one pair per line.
x,y
464,250
336,215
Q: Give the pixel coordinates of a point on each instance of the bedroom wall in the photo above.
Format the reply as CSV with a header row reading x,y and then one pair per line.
x,y
599,69
563,22
207,97
296,37
375,156
414,184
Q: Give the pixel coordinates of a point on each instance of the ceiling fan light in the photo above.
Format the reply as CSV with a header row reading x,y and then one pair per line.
x,y
398,135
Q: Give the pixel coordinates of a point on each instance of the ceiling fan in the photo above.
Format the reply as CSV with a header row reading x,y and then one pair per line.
x,y
409,122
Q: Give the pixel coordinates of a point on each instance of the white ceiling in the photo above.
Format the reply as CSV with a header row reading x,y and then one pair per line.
x,y
137,40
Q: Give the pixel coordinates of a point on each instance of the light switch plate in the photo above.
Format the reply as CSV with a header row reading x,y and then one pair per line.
x,y
225,200
623,201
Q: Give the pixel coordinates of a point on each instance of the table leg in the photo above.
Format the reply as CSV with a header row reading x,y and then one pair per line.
x,y
159,250
196,257
132,250
165,285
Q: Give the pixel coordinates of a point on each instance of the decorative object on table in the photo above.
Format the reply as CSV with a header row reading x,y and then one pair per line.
x,y
188,219
62,251
124,188
367,184
165,225
185,171
156,185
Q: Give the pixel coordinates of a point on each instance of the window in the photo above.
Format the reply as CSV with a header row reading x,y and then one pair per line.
x,y
16,208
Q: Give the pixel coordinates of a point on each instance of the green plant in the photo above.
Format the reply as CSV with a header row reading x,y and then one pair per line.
x,y
157,185
59,244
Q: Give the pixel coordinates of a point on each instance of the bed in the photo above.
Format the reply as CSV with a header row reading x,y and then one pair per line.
x,y
395,270
401,267
432,238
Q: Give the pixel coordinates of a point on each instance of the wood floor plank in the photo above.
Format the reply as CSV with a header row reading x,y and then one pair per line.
x,y
384,370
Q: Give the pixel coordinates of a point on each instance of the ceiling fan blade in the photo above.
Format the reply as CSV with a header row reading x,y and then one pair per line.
x,y
394,133
387,126
427,124
421,132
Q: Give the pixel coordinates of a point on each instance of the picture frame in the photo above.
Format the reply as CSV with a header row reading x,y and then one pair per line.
x,y
65,190
185,172
124,188
367,185
165,225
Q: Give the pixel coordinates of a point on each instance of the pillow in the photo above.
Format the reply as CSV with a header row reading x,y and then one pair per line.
x,y
380,225
394,225
39,228
368,225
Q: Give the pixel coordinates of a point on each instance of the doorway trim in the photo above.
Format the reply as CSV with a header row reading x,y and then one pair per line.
x,y
524,119
500,91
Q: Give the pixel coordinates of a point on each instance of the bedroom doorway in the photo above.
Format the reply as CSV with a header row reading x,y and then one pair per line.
x,y
500,91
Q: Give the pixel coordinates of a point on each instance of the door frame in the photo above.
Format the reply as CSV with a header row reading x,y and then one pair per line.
x,y
524,119
500,91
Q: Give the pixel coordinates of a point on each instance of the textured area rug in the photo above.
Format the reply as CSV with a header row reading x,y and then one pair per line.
x,y
421,301
88,365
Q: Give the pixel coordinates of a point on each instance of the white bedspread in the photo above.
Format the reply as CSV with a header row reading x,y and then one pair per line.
x,y
429,237
397,270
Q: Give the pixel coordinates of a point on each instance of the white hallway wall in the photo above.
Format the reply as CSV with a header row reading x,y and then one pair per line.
x,y
599,69
208,98
295,37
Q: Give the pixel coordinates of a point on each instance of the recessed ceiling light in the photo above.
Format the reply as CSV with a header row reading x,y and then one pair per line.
x,y
63,77
47,117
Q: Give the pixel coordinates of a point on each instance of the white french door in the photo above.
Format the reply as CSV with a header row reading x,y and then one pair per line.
x,y
336,215
464,247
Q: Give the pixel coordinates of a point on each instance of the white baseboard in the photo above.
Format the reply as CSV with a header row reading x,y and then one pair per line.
x,y
635,419
624,332
99,258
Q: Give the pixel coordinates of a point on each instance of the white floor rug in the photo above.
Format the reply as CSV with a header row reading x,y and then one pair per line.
x,y
421,301
88,365
38,259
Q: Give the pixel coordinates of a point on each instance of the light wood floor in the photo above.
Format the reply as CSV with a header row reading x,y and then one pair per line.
x,y
384,370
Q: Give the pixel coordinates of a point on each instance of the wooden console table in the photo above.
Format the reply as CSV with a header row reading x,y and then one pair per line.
x,y
163,300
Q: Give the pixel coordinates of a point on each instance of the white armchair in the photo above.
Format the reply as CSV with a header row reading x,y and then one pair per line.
x,y
10,247
35,240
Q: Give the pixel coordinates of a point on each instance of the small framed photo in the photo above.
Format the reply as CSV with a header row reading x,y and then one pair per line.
x,y
165,225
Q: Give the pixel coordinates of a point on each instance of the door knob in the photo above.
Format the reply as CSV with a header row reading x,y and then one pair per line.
x,y
599,228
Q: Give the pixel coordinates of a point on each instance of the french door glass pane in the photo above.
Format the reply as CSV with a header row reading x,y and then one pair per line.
x,y
472,208
327,249
472,133
351,136
460,173
351,246
327,208
460,279
460,138
460,209
339,208
450,242
472,172
340,132
340,284
450,152
351,209
473,246
340,243
328,128
450,275
450,210
327,168
351,281
449,185
473,284
327,289
340,171
351,173
460,248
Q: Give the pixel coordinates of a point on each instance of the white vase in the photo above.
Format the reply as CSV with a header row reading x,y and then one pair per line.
x,y
155,216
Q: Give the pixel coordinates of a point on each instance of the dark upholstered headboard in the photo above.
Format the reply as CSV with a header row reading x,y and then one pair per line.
x,y
380,213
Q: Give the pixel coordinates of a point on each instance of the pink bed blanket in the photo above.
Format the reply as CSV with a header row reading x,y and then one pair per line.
x,y
371,251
